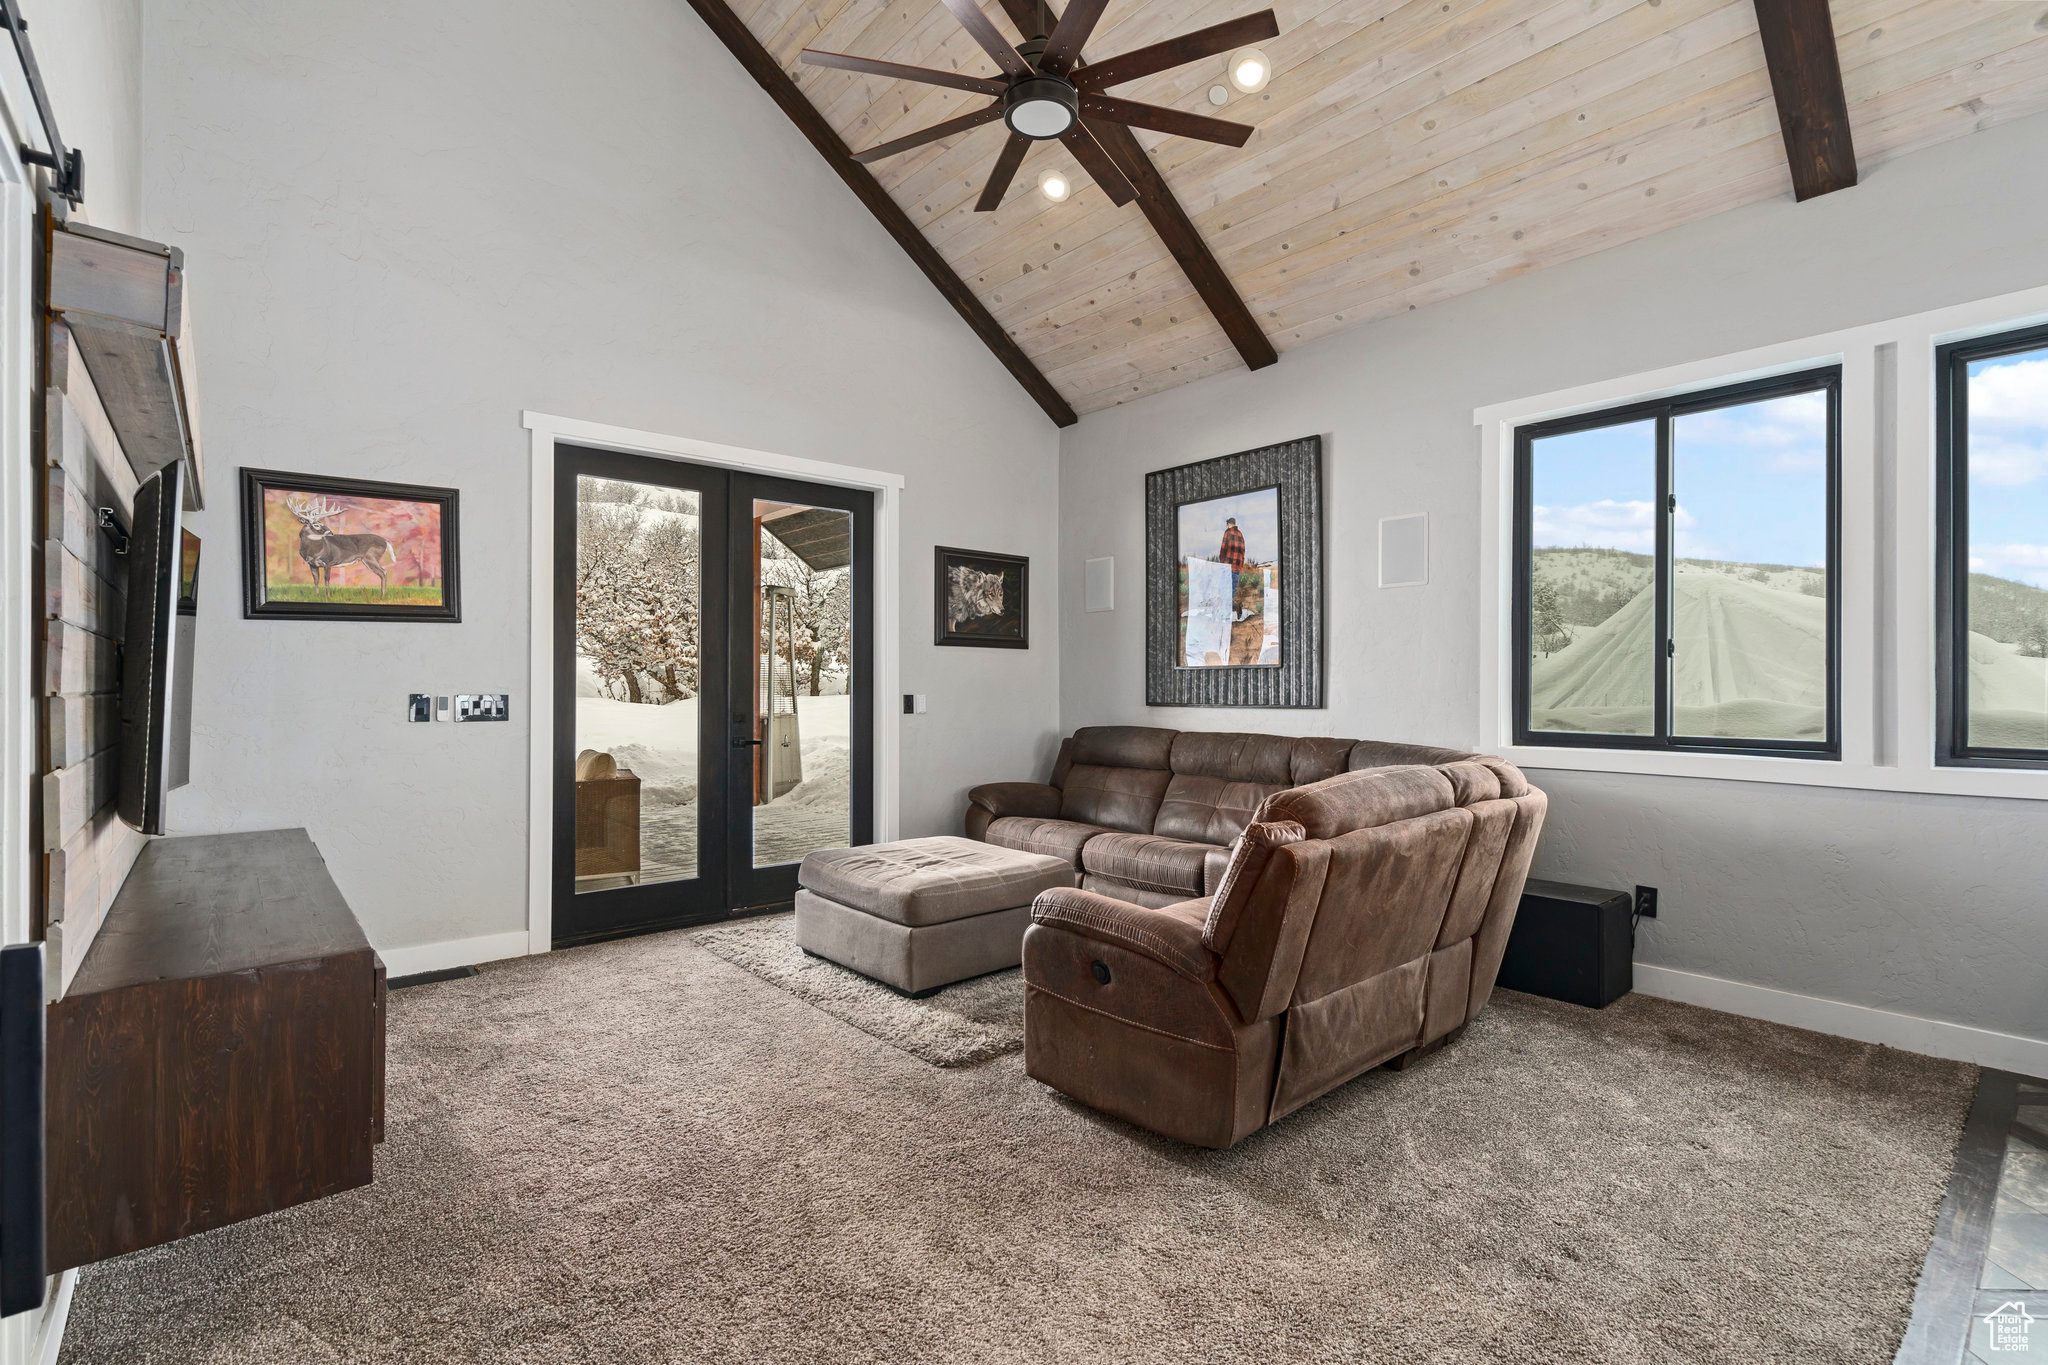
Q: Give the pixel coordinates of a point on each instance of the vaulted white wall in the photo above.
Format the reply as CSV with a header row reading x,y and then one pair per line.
x,y
90,54
1926,906
406,224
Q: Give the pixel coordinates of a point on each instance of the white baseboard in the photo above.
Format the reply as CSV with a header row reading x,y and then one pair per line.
x,y
1907,1032
460,952
50,1340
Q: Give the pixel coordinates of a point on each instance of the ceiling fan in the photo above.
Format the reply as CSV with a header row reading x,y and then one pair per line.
x,y
1046,94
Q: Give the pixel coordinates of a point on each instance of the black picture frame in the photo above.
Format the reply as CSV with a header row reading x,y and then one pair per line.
x,y
1005,635
1295,468
256,604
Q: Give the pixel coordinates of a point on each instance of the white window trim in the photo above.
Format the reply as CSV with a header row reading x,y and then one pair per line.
x,y
546,432
1887,639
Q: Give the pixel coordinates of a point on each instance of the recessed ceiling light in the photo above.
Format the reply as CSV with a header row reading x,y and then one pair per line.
x,y
1054,186
1250,69
1218,95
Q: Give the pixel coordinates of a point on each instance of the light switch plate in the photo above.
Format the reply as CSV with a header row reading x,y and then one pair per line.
x,y
483,706
440,708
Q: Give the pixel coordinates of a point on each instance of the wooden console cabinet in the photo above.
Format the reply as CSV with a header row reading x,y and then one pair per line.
x,y
220,1053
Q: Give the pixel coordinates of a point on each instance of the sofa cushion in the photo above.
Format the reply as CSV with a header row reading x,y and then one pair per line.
x,y
1029,834
1362,800
1317,757
1124,746
1147,860
1235,757
1210,810
1134,895
919,882
1115,798
1248,858
1379,753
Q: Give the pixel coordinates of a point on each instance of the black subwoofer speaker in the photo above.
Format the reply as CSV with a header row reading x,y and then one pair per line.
x,y
1574,943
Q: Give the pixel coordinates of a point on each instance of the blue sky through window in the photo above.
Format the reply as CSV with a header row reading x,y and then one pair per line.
x,y
2008,444
1751,483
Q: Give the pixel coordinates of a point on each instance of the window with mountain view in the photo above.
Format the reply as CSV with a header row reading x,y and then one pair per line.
x,y
1676,584
1994,483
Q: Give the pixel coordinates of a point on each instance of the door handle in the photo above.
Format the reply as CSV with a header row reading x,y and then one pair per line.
x,y
745,743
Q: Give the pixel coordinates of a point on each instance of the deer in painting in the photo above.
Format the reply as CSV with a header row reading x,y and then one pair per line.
x,y
326,550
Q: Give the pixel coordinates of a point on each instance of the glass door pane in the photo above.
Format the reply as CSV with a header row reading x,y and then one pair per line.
x,y
640,694
803,668
639,651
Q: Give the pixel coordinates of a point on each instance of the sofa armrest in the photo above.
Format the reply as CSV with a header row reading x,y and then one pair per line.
x,y
1164,935
994,800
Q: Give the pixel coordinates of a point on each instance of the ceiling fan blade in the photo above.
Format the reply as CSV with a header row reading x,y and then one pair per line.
x,y
1063,49
870,67
1189,47
1007,162
931,134
1163,120
977,24
1096,162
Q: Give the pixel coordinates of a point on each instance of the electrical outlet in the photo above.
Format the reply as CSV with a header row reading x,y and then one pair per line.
x,y
483,706
1646,902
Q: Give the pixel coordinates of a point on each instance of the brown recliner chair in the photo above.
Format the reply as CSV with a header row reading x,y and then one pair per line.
x,y
1362,918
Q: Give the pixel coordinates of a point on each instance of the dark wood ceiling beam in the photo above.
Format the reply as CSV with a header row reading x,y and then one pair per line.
x,y
742,43
1183,240
1806,78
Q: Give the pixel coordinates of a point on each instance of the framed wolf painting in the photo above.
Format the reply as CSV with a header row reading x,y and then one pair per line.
x,y
327,549
981,598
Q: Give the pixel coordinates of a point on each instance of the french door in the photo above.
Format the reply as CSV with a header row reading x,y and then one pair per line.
x,y
713,711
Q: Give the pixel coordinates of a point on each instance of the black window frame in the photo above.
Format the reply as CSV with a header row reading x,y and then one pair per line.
x,y
1952,550
1823,379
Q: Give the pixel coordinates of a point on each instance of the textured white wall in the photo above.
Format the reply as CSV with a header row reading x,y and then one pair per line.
x,y
406,222
90,54
1923,905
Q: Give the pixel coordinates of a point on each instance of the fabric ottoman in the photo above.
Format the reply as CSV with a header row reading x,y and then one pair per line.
x,y
922,913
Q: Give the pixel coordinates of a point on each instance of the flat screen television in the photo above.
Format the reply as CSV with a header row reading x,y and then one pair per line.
x,y
156,652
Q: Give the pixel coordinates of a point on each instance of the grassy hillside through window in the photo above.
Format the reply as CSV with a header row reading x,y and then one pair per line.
x,y
1751,649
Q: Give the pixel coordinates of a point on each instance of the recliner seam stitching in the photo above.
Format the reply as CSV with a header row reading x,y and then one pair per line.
x,y
1149,1028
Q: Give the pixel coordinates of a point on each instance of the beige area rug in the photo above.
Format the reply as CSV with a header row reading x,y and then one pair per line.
x,y
638,1152
965,1024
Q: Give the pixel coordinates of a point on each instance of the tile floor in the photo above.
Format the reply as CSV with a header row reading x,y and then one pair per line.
x,y
1983,1292
2007,1321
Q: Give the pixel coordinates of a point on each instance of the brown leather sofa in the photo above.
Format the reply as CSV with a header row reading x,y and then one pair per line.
x,y
1360,920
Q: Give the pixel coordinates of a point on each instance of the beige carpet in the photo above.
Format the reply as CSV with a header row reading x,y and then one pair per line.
x,y
639,1152
965,1024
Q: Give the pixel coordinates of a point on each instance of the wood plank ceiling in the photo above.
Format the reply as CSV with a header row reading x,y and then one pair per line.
x,y
1407,151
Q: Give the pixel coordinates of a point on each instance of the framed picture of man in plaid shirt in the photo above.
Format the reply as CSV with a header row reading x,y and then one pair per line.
x,y
1230,581
1234,579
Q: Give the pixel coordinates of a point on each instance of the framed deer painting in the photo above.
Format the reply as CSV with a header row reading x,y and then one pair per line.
x,y
325,549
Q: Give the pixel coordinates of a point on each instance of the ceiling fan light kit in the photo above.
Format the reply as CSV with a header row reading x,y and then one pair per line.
x,y
1041,107
1047,92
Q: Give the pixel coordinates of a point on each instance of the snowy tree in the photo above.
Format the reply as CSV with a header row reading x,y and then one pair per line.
x,y
638,616
1547,628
